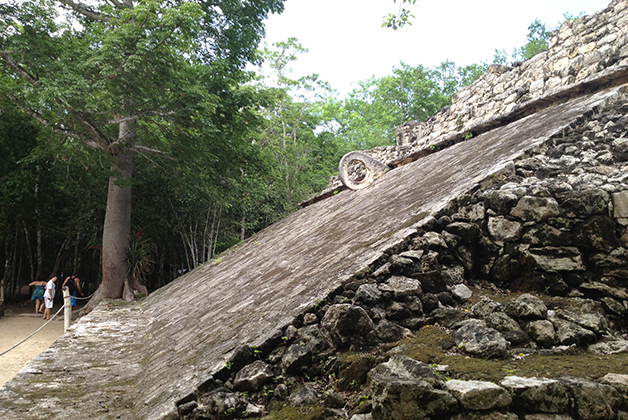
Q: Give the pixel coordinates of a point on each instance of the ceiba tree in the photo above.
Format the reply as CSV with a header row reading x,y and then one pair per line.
x,y
125,77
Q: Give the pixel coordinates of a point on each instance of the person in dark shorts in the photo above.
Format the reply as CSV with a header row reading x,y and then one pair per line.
x,y
74,285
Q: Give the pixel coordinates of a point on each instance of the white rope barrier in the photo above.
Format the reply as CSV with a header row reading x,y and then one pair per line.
x,y
66,325
39,329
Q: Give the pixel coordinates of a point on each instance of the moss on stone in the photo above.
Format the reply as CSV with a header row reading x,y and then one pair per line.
x,y
432,345
303,412
428,345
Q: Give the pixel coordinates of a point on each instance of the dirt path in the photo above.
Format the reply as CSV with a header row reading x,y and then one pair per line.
x,y
18,324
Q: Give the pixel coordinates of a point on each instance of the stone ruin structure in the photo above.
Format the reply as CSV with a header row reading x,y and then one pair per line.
x,y
507,244
583,55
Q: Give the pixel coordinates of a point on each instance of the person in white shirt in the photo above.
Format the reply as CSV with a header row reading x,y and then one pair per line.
x,y
49,296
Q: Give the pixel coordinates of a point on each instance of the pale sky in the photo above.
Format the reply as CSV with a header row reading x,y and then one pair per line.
x,y
346,42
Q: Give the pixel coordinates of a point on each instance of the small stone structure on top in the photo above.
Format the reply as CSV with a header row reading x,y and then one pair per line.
x,y
584,55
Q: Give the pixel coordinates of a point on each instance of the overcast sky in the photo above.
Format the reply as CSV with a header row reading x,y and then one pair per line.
x,y
346,42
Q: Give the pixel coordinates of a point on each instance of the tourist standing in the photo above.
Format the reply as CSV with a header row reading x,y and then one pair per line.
x,y
49,296
74,286
38,294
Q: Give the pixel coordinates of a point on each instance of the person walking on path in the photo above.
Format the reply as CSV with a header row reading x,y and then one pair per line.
x,y
38,294
49,296
74,285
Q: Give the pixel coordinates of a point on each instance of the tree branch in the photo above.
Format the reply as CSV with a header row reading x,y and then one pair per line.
x,y
150,151
117,4
95,145
100,139
83,10
21,71
123,119
35,115
147,112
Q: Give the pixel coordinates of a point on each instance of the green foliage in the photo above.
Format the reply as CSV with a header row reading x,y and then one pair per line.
x,y
176,68
569,17
48,187
538,40
370,114
303,412
402,18
18,137
500,57
289,143
140,259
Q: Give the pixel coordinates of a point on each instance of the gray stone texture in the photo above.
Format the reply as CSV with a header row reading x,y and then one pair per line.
x,y
502,229
405,367
253,376
537,395
410,399
89,373
594,401
527,307
476,338
479,395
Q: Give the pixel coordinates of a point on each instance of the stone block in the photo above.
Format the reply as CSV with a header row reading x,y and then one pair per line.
x,y
620,204
479,395
554,259
502,229
537,395
536,208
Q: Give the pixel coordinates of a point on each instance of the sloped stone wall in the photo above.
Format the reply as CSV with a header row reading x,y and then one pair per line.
x,y
265,295
552,222
556,222
292,266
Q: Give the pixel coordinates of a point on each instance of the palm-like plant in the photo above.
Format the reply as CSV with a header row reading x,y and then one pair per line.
x,y
140,259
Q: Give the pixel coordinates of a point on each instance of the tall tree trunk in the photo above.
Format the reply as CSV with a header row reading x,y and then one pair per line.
x,y
64,245
17,276
162,263
39,256
5,274
75,267
243,226
29,251
117,226
9,275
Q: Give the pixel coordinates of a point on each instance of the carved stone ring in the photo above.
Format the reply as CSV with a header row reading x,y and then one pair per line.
x,y
357,170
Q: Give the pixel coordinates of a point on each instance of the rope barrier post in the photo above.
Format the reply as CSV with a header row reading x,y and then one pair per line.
x,y
67,305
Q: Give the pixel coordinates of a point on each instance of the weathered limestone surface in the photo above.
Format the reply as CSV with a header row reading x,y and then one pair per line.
x,y
270,278
91,372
